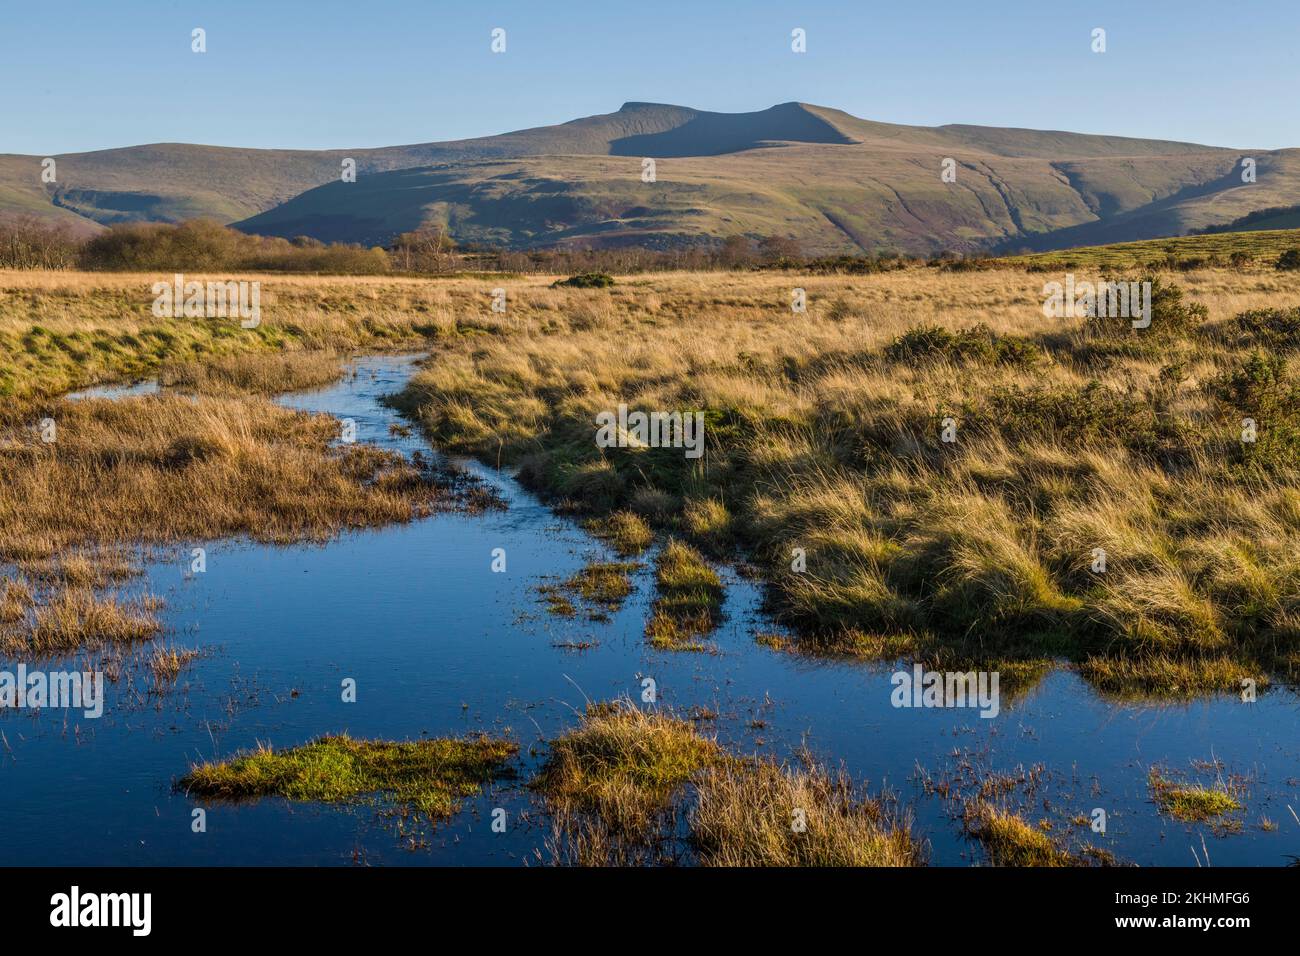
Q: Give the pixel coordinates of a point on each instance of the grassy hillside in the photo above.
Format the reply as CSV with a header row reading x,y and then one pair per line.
x,y
833,198
1262,246
833,181
172,181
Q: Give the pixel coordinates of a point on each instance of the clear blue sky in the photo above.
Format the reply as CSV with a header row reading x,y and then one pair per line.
x,y
88,74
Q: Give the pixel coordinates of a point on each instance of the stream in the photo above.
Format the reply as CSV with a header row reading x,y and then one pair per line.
x,y
439,644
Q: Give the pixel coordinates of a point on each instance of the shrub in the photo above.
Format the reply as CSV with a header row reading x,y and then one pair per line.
x,y
1271,329
1258,385
1170,315
978,345
200,245
586,280
1076,415
1288,261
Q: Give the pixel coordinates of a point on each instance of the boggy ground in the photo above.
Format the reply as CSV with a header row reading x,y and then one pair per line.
x,y
85,485
1079,446
824,434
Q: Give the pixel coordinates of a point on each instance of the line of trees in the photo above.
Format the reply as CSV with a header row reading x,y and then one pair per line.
x,y
200,245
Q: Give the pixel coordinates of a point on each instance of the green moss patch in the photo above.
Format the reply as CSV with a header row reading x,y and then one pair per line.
x,y
429,775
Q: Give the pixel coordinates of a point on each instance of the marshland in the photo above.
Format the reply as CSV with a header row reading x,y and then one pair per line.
x,y
469,632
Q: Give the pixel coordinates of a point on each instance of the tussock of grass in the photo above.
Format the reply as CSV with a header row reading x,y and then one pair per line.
x,y
166,663
1190,803
756,813
428,775
624,764
602,584
709,523
78,617
689,605
626,531
619,784
1010,841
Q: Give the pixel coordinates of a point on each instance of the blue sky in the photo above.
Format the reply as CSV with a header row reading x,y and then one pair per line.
x,y
88,74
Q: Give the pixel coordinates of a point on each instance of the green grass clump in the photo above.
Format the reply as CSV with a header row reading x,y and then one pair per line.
x,y
1192,803
586,280
604,584
978,345
689,605
429,775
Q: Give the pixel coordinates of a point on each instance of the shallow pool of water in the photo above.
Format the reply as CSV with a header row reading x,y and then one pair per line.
x,y
440,644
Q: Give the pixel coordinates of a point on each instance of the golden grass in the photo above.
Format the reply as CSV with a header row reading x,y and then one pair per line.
x,y
626,531
823,434
166,663
1010,841
632,786
168,470
757,813
689,605
624,764
256,373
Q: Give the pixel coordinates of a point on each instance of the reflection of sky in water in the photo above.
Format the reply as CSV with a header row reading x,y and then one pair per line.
x,y
438,644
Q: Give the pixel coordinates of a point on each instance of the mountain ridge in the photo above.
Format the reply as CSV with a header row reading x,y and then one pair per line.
x,y
833,181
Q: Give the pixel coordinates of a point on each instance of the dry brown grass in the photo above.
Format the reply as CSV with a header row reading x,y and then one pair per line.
x,y
166,663
163,470
253,373
822,438
1010,841
625,764
628,786
166,469
757,813
69,619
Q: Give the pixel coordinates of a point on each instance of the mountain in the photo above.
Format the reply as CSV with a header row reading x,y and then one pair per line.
x,y
835,182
